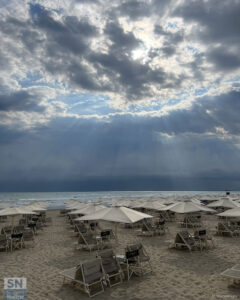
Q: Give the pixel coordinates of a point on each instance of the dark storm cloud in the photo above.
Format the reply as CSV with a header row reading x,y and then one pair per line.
x,y
223,58
217,24
219,19
21,101
121,41
134,9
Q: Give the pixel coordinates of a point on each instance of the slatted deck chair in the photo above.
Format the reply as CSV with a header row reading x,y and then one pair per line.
x,y
224,229
17,241
28,236
147,230
203,238
80,228
233,273
161,227
111,267
184,240
138,260
18,229
106,237
4,242
89,275
88,241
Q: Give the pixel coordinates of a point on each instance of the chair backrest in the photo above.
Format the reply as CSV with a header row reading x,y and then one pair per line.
x,y
132,254
109,261
28,235
19,228
200,233
108,253
106,234
92,270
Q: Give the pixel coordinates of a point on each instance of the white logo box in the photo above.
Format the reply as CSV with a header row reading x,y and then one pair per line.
x,y
15,283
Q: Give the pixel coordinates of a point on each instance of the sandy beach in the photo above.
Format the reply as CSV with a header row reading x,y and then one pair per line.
x,y
177,274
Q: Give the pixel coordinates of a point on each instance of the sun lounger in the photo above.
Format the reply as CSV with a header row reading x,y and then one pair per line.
x,y
16,241
111,267
88,241
233,273
80,228
224,229
184,240
18,229
89,275
28,236
203,238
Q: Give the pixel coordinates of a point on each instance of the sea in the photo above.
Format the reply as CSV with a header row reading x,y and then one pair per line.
x,y
55,200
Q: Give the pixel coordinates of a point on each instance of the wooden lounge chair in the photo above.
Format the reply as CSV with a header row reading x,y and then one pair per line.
x,y
233,273
80,228
28,236
17,241
147,230
89,275
18,229
88,241
4,242
202,237
111,267
224,229
184,240
138,261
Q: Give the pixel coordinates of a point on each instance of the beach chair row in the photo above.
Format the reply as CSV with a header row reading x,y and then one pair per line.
x,y
108,269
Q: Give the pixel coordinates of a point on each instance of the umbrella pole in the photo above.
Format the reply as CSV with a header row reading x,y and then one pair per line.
x,y
12,223
116,232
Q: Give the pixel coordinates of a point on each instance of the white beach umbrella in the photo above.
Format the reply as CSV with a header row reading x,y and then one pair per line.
x,y
188,206
77,205
16,211
117,215
151,205
233,212
35,207
87,210
224,202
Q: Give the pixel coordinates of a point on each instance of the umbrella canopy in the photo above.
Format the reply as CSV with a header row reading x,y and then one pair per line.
x,y
35,207
16,210
116,214
150,205
234,212
87,210
185,207
77,205
224,202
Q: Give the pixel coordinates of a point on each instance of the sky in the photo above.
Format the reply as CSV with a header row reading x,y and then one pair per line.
x,y
119,95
